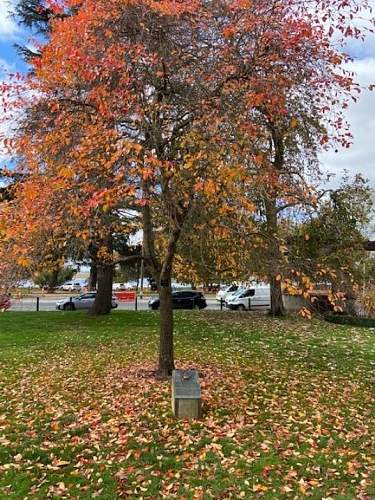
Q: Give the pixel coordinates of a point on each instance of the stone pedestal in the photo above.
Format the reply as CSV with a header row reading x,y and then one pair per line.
x,y
186,394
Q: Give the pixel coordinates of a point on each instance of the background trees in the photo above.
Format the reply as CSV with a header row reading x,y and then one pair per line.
x,y
52,279
329,246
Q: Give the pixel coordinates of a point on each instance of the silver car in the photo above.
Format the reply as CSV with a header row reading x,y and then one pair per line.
x,y
84,301
71,287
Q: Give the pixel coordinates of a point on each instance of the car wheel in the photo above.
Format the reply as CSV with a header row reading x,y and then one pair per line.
x,y
241,307
155,308
69,306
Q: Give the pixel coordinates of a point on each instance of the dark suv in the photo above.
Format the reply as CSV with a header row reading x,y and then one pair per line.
x,y
182,300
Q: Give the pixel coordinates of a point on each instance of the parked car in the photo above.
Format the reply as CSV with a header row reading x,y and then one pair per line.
x,y
254,297
153,285
223,292
27,284
118,286
71,286
84,301
182,300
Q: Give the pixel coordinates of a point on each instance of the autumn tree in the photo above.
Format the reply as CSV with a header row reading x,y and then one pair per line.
x,y
150,109
11,271
37,16
296,112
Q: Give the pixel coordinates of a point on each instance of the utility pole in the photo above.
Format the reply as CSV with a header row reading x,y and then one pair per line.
x,y
142,271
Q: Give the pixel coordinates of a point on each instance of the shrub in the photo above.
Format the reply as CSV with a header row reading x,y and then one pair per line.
x,y
350,320
366,302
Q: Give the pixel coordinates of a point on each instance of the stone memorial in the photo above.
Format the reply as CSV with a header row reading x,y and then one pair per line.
x,y
186,394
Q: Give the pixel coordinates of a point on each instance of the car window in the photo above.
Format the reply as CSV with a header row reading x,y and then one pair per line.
x,y
87,296
249,293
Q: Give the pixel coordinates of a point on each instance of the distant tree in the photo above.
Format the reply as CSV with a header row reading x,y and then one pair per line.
x,y
36,15
53,278
329,247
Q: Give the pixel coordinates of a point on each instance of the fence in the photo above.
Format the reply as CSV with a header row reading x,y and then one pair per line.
x,y
126,301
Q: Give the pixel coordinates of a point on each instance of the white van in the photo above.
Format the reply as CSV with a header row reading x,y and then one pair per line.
x,y
225,291
257,298
237,292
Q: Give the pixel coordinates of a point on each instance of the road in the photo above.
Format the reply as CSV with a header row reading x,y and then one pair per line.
x,y
49,304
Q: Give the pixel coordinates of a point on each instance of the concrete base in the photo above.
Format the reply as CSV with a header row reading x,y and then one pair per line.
x,y
187,408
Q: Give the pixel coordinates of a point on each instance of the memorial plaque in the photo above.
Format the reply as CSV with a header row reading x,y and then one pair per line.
x,y
186,394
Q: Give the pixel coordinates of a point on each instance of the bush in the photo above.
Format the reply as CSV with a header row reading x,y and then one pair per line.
x,y
343,319
366,302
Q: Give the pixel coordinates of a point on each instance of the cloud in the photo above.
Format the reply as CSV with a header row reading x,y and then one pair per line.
x,y
8,26
360,158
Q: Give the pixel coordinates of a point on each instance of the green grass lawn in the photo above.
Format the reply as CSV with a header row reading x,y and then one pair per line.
x,y
288,408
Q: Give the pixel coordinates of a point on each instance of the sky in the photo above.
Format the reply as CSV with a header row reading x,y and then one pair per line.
x,y
360,158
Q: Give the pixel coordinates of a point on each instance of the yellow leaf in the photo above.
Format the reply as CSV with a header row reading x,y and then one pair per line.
x,y
293,122
259,487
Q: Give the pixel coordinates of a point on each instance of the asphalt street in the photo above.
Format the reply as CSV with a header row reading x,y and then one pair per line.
x,y
49,304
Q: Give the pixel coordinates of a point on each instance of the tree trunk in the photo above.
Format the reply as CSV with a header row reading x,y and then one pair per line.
x,y
277,304
93,277
162,271
275,257
166,354
103,300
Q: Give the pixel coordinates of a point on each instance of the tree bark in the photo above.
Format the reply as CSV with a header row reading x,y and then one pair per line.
x,y
103,300
166,353
274,256
166,350
93,277
277,304
162,272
